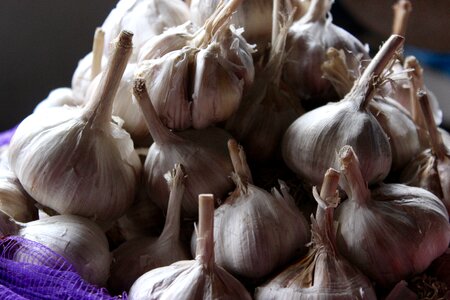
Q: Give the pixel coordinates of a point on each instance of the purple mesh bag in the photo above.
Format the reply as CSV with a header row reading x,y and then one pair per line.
x,y
6,136
29,270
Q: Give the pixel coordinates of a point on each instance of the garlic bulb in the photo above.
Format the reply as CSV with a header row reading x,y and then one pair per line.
x,y
393,118
125,106
307,42
75,160
431,168
390,232
201,82
59,97
89,67
267,107
310,143
203,154
137,256
323,273
200,278
146,17
248,225
77,239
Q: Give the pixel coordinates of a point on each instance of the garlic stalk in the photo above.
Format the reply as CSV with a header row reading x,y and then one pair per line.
x,y
75,160
89,67
200,82
390,232
310,143
307,42
402,10
431,168
267,108
77,239
323,273
202,153
200,278
138,256
147,18
248,225
393,118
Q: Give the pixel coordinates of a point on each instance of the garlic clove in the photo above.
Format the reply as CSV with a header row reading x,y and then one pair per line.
x,y
59,97
86,164
77,239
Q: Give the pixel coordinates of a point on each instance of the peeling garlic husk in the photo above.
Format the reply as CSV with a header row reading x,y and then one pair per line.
x,y
201,83
203,153
146,17
431,168
138,256
249,222
200,278
77,239
323,273
59,97
307,42
393,118
75,160
310,143
392,231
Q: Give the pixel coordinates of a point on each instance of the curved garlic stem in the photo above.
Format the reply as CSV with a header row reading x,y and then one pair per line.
x,y
221,15
328,195
335,69
205,237
239,161
437,145
99,108
317,11
367,82
175,180
402,9
97,52
355,181
160,134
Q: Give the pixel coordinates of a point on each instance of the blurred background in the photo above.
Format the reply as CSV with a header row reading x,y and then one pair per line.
x,y
42,41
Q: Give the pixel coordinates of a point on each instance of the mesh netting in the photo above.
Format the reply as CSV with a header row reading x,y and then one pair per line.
x,y
29,270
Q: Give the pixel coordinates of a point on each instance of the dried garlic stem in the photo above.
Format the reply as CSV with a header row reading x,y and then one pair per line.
x,y
328,194
99,108
220,16
402,9
317,11
97,52
158,131
176,180
239,161
275,21
368,81
437,145
205,236
351,169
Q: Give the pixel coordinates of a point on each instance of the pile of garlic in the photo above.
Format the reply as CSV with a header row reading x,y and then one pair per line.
x,y
154,117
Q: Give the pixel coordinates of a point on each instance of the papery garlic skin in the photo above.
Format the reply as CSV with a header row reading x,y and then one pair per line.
x,y
82,77
93,175
147,18
78,240
307,43
59,97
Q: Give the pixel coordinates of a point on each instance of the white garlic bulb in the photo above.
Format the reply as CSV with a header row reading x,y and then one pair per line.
x,y
147,18
430,169
307,42
200,278
75,160
59,97
310,143
323,273
200,83
77,239
203,153
89,67
392,231
248,224
138,256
